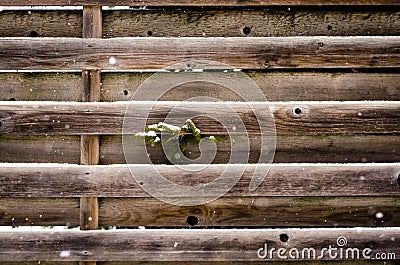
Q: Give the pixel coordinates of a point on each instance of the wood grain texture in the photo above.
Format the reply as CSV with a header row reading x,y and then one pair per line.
x,y
197,3
276,86
40,86
39,212
199,245
253,212
35,23
253,23
42,180
304,262
39,149
289,149
312,118
158,53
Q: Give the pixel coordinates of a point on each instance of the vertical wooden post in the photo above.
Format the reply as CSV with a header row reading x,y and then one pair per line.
x,y
92,28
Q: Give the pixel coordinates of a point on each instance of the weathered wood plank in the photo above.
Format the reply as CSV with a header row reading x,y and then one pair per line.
x,y
196,3
39,211
224,212
254,23
57,180
294,118
41,86
45,263
304,262
187,245
158,53
39,149
35,23
276,86
254,211
289,149
205,23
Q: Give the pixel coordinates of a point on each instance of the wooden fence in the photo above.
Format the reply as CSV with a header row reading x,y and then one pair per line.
x,y
329,69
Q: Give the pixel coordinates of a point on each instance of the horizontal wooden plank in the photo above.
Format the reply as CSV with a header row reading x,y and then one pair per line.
x,y
304,262
49,180
253,211
39,212
289,149
294,118
40,149
158,53
42,263
254,23
35,23
196,3
41,86
276,86
199,245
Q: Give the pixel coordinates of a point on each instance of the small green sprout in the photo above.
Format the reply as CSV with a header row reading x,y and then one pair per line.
x,y
185,135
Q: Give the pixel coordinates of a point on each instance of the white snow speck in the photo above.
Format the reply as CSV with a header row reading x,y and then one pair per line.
x,y
212,137
149,133
67,126
175,244
65,254
90,218
177,156
157,139
112,60
359,114
379,215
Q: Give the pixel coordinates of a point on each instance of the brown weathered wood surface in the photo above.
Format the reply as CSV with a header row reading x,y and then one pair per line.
x,y
197,3
39,211
205,23
304,262
313,118
186,245
35,23
336,262
276,86
158,53
289,149
253,212
58,180
254,23
40,149
41,86
224,212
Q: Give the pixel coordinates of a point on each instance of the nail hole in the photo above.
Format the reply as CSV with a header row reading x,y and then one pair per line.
x,y
266,64
85,253
33,34
320,44
140,183
284,237
126,92
1,124
87,173
297,111
192,220
12,99
246,30
329,27
149,33
398,177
